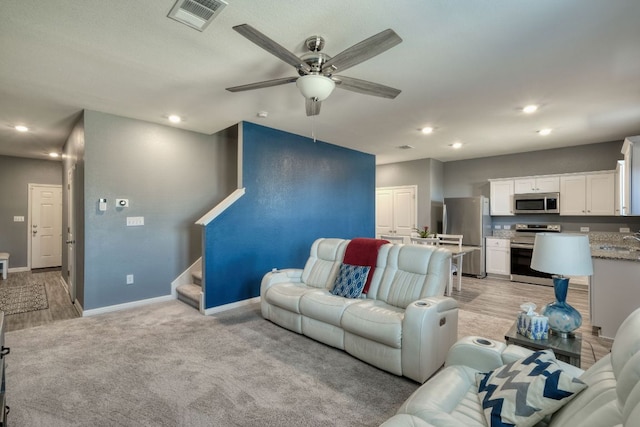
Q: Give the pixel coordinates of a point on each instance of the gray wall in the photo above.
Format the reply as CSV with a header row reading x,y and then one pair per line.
x,y
171,178
470,177
15,175
427,175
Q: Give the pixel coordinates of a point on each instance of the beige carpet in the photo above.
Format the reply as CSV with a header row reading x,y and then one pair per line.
x,y
167,365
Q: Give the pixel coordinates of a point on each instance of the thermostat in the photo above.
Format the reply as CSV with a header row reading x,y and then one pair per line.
x,y
122,203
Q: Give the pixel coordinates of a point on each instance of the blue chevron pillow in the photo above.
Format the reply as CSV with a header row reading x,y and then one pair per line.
x,y
350,280
523,392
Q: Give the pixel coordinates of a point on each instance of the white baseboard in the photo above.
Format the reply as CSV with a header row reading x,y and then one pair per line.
x,y
18,269
221,308
126,305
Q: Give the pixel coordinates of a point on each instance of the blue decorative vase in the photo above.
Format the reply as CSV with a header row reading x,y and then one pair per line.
x,y
563,319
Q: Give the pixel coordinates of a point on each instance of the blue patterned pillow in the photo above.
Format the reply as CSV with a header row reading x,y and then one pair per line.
x,y
350,280
525,391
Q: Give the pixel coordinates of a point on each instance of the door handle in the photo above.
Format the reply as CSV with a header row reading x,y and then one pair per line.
x,y
70,241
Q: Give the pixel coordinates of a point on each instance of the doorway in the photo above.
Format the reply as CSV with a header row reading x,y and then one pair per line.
x,y
45,226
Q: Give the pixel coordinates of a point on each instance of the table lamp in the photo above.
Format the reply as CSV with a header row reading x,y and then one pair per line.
x,y
562,254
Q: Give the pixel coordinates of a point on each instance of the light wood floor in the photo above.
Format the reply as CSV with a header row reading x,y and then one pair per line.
x,y
495,298
60,307
501,299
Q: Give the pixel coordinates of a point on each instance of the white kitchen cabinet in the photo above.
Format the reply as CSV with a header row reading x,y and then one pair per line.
x,y
630,189
614,293
498,256
542,184
589,194
396,211
501,198
618,194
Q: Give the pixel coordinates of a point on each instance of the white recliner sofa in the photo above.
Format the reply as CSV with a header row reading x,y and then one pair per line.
x,y
404,325
450,398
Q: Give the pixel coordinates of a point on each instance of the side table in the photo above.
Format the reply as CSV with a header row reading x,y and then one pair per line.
x,y
566,349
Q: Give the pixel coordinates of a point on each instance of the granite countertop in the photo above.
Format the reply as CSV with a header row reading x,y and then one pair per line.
x,y
615,252
604,245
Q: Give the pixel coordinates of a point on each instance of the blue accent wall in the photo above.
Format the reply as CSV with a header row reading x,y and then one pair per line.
x,y
297,190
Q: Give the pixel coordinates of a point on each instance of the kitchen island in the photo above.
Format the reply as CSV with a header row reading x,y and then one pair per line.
x,y
615,286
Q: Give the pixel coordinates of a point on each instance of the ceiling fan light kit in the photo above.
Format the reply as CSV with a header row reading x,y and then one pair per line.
x,y
315,86
317,81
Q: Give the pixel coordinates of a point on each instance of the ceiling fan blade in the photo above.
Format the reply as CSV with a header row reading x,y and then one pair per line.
x,y
364,50
365,87
313,107
260,85
272,47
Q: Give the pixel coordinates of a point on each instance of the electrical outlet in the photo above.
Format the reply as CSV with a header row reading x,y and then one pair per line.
x,y
507,227
129,279
625,230
584,229
497,227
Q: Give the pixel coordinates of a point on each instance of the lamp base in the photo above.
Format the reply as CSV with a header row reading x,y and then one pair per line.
x,y
563,335
563,319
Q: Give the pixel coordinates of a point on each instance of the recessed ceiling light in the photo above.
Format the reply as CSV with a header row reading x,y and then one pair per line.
x,y
21,128
427,130
54,154
456,145
530,109
175,119
544,132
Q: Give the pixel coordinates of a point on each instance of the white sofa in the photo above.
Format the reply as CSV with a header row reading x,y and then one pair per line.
x,y
405,325
450,398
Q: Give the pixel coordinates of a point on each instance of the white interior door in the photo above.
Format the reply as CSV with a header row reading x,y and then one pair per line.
x,y
404,211
46,226
396,211
384,211
71,261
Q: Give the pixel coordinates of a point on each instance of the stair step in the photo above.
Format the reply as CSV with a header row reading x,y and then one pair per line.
x,y
197,277
189,294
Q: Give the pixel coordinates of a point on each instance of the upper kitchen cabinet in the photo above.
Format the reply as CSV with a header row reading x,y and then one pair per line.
x,y
588,194
543,184
501,198
630,186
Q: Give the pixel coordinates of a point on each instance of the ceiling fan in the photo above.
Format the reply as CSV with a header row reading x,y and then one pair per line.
x,y
316,80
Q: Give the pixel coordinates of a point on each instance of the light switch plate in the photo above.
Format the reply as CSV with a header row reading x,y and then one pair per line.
x,y
625,230
506,227
584,229
18,219
497,227
135,221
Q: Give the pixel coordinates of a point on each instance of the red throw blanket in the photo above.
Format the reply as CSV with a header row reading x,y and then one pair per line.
x,y
364,251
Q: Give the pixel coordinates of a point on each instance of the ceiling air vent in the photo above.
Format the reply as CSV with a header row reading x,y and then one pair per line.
x,y
405,147
196,14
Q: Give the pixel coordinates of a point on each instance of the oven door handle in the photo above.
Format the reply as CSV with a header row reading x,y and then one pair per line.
x,y
521,246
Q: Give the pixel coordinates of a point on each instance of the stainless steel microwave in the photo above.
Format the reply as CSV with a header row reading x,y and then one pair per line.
x,y
536,203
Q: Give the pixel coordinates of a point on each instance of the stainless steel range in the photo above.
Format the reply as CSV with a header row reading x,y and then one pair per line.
x,y
522,251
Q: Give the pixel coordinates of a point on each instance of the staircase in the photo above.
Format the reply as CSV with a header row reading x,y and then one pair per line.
x,y
190,292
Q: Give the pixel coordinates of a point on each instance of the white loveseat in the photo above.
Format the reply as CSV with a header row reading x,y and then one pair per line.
x,y
404,325
611,399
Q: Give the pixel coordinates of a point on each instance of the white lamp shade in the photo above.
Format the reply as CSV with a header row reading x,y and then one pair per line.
x,y
315,86
563,254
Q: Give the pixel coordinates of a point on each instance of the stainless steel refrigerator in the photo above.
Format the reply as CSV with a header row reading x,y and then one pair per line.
x,y
469,216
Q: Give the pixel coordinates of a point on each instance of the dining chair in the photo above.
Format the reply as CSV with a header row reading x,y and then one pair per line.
x,y
456,267
392,239
425,241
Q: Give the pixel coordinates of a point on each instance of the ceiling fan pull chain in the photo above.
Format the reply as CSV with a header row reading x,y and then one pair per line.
x,y
313,128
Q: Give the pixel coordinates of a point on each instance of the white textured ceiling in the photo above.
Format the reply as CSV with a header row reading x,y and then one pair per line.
x,y
464,67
